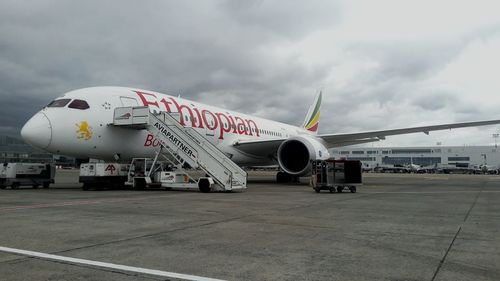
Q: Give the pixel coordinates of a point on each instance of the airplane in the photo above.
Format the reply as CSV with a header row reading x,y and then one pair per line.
x,y
78,124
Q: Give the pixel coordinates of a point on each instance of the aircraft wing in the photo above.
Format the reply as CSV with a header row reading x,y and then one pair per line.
x,y
262,148
269,147
266,148
336,140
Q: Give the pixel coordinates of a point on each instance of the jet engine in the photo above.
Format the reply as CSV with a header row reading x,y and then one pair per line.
x,y
296,153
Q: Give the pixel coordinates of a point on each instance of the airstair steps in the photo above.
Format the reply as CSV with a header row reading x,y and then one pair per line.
x,y
184,143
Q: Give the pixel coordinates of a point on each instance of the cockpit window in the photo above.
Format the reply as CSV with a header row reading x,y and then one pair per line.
x,y
79,104
59,103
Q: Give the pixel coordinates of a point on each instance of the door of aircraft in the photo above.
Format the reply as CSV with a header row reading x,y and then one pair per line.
x,y
284,133
126,101
210,123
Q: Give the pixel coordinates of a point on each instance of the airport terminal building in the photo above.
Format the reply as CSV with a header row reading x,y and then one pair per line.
x,y
15,150
459,156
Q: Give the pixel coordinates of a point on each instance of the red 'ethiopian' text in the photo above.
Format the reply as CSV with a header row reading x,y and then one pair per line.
x,y
201,118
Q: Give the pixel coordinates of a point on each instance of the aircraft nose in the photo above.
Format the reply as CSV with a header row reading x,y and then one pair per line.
x,y
37,131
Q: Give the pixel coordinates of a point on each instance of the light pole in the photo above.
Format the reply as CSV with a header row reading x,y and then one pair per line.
x,y
495,136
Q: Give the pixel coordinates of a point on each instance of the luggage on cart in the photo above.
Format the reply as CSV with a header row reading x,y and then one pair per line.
x,y
336,175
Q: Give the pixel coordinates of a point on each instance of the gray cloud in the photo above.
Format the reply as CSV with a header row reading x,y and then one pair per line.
x,y
225,53
193,48
285,19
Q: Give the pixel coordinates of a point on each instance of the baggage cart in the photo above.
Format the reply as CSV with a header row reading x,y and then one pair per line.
x,y
336,175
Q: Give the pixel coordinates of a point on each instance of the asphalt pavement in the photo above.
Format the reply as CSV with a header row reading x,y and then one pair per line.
x,y
396,227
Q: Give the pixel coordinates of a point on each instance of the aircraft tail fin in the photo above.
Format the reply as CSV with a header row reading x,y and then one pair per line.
x,y
311,123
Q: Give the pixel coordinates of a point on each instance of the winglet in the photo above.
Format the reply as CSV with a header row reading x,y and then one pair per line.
x,y
311,123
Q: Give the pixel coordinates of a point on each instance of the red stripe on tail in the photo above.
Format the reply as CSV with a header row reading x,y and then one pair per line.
x,y
314,128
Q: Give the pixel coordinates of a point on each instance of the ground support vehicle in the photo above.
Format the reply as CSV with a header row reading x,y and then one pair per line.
x,y
180,180
26,174
336,175
152,173
103,175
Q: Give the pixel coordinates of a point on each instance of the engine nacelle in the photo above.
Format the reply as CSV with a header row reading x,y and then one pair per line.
x,y
296,153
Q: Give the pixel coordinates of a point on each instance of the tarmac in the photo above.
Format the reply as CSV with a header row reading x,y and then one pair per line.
x,y
396,227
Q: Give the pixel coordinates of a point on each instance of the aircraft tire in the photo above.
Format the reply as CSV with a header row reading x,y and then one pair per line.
x,y
140,184
85,186
204,185
282,177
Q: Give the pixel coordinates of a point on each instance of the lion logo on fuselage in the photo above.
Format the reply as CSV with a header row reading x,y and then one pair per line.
x,y
84,131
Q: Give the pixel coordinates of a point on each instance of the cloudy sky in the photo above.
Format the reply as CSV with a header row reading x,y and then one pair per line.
x,y
381,64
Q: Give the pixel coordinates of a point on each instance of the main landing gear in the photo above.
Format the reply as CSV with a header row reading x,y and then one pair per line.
x,y
282,177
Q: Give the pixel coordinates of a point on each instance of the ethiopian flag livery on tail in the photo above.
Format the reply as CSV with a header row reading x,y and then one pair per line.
x,y
311,123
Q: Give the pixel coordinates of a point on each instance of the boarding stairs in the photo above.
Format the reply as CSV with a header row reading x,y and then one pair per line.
x,y
184,144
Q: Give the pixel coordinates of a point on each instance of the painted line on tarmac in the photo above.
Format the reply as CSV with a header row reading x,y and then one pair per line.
x,y
437,178
107,265
429,192
78,202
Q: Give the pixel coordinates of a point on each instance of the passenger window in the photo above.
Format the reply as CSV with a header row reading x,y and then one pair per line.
x,y
59,103
79,104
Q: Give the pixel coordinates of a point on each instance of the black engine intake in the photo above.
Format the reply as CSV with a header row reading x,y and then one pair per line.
x,y
296,153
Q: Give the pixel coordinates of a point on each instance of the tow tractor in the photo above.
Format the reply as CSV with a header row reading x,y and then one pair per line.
x,y
336,175
22,174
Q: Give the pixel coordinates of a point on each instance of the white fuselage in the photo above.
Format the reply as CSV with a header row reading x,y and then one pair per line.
x,y
85,132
